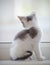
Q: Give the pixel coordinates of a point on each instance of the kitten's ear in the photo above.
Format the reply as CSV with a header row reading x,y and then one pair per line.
x,y
20,17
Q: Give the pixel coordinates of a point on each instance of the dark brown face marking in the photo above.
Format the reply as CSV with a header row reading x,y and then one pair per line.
x,y
29,18
22,35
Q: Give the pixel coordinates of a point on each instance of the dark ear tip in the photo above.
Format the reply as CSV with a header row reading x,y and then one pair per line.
x,y
19,17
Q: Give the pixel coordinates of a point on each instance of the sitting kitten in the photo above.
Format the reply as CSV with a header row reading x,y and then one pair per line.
x,y
27,40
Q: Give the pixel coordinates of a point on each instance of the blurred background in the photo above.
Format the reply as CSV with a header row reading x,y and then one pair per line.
x,y
9,24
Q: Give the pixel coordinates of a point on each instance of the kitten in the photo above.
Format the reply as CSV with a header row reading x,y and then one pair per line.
x,y
27,40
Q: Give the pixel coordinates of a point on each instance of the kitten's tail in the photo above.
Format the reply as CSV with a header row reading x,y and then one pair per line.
x,y
29,53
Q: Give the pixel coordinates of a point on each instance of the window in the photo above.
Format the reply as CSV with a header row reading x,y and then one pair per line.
x,y
11,8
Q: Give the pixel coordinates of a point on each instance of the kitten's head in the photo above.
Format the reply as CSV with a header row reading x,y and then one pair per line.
x,y
27,21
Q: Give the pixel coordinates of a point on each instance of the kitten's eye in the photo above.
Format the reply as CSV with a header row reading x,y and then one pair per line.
x,y
29,19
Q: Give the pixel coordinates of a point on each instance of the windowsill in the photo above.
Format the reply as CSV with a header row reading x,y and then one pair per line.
x,y
5,47
25,62
5,58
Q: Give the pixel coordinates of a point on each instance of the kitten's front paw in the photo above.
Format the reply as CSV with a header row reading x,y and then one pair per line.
x,y
42,58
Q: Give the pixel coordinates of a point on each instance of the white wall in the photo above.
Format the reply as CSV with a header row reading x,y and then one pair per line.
x,y
7,10
9,24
